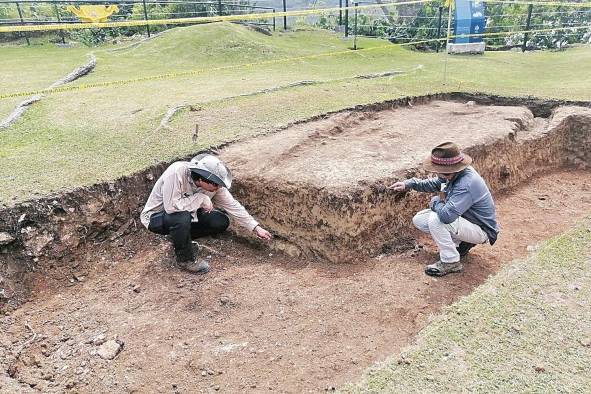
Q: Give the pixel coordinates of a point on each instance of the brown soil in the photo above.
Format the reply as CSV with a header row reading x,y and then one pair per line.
x,y
322,185
259,321
364,146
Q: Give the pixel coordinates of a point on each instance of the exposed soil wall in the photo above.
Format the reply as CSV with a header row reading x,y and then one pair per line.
x,y
311,220
54,230
316,215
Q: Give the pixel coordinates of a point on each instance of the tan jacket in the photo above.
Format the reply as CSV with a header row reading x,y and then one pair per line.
x,y
175,191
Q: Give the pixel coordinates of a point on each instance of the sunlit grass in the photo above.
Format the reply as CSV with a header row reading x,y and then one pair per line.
x,y
113,130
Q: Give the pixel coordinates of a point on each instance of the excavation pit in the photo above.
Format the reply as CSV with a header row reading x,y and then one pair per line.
x,y
322,185
264,321
319,185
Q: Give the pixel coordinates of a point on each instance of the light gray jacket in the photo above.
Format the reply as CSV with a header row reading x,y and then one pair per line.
x,y
175,191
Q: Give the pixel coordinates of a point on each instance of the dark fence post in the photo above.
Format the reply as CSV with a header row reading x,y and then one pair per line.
x,y
273,19
220,11
59,20
355,32
340,12
284,17
346,18
20,14
146,17
529,9
439,28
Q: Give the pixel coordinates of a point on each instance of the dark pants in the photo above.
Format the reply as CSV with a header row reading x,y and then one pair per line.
x,y
182,230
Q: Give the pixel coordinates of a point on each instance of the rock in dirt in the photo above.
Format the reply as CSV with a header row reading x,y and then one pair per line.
x,y
5,239
99,340
12,370
110,349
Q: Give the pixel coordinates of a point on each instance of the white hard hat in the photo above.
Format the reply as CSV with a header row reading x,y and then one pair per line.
x,y
211,169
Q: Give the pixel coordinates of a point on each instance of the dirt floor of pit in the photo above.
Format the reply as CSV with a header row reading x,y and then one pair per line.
x,y
345,148
258,322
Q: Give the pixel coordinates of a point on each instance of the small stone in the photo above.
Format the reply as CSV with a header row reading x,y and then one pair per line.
x,y
99,340
136,288
65,353
48,376
6,238
216,388
203,373
585,342
12,370
78,277
110,349
30,361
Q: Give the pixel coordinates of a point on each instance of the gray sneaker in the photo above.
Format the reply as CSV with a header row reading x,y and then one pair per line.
x,y
199,266
441,269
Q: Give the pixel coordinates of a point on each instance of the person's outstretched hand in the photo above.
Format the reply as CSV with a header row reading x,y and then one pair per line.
x,y
397,187
261,233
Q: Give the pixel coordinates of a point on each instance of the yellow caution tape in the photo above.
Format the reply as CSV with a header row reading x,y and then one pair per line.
x,y
540,3
266,62
180,21
266,15
188,73
522,31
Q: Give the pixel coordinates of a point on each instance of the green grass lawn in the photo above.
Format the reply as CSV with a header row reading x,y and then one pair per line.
x,y
80,137
527,329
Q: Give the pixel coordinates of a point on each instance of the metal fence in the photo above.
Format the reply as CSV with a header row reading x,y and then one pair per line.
x,y
522,25
37,12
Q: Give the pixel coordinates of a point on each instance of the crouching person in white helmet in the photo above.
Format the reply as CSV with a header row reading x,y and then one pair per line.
x,y
182,202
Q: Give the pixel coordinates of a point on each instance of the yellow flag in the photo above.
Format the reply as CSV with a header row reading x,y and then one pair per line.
x,y
93,13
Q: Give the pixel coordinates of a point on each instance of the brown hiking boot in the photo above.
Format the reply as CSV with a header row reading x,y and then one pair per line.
x,y
199,266
441,269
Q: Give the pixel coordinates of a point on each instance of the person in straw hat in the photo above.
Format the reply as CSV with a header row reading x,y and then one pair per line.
x,y
462,216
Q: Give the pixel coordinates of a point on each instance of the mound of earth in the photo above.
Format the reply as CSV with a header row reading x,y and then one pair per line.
x,y
322,185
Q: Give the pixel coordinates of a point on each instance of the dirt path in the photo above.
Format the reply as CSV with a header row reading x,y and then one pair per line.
x,y
259,322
